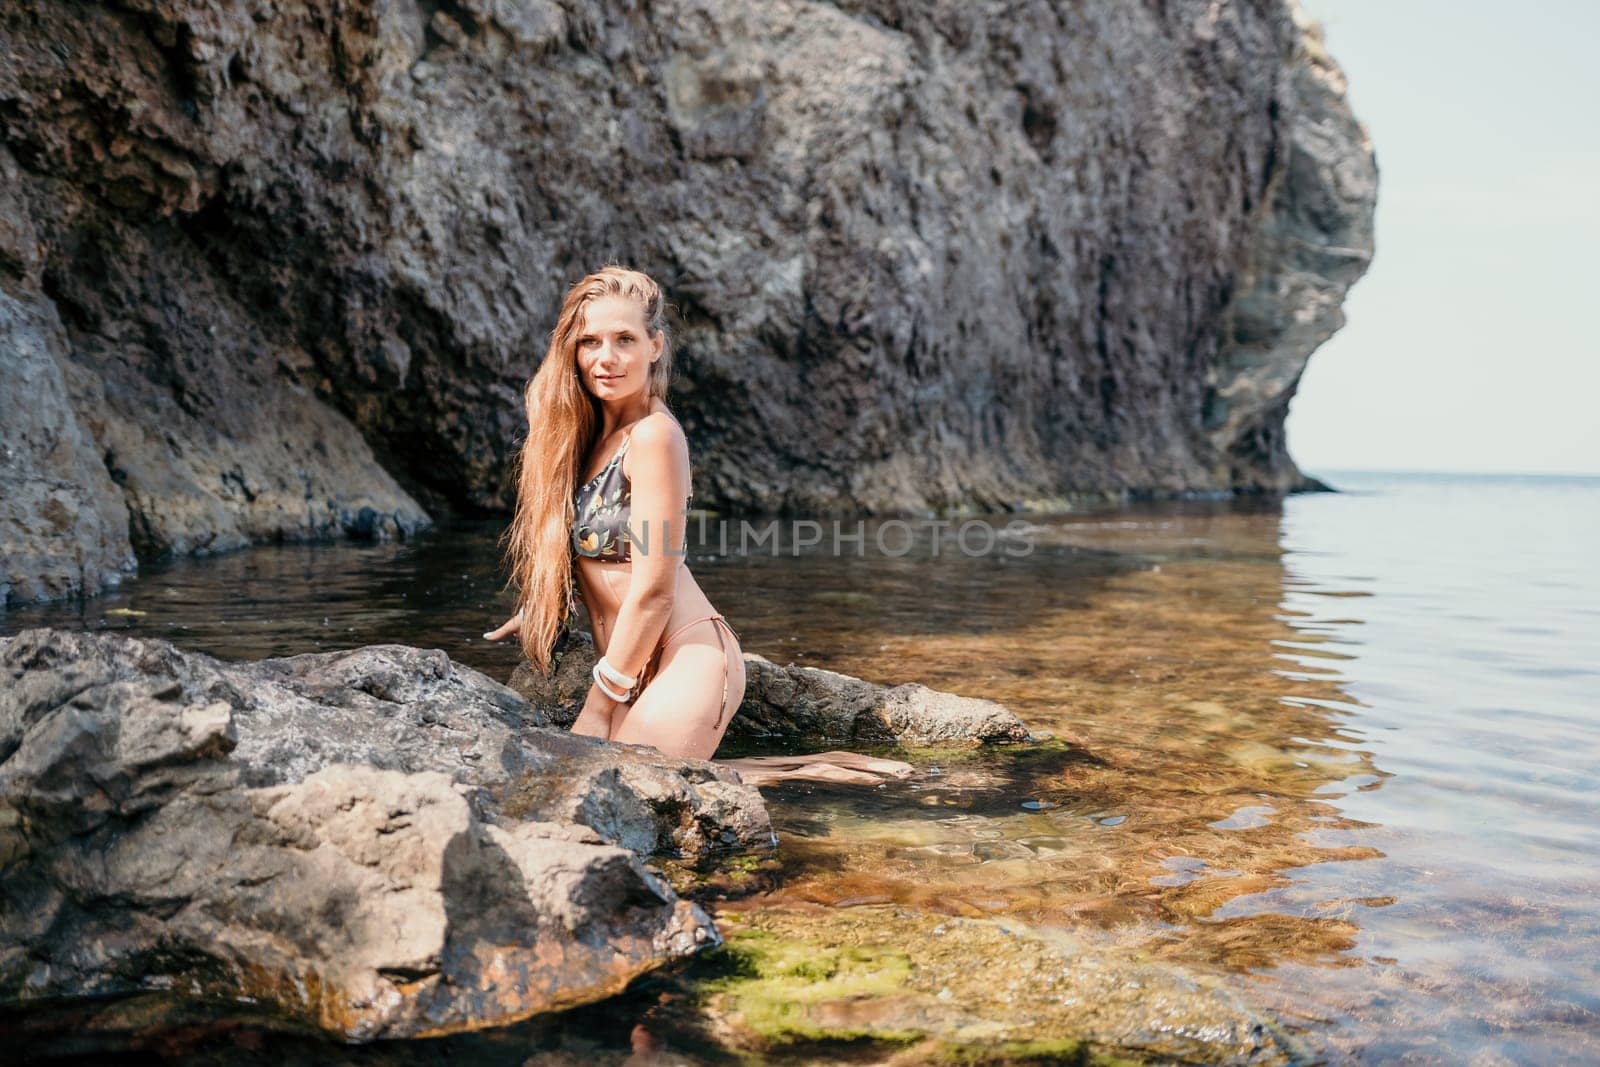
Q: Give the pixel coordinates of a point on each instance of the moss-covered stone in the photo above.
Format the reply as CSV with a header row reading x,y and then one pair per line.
x,y
894,986
784,988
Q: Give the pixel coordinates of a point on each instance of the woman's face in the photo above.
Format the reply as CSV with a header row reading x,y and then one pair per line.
x,y
614,348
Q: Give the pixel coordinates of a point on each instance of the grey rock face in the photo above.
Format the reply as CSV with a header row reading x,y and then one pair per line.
x,y
787,702
359,839
304,256
1316,242
63,523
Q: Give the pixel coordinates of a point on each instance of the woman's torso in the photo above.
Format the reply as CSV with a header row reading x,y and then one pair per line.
x,y
604,586
603,582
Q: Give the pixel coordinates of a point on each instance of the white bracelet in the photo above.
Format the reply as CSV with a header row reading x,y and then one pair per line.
x,y
613,675
620,698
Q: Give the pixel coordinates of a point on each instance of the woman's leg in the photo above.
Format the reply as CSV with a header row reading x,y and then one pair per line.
x,y
677,713
591,723
697,685
835,765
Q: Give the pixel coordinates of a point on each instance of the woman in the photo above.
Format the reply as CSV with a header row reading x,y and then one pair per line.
x,y
602,508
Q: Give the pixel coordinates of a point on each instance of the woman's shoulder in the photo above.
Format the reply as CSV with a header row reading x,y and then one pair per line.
x,y
658,441
659,429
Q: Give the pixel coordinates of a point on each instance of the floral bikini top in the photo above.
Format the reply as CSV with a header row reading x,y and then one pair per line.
x,y
603,503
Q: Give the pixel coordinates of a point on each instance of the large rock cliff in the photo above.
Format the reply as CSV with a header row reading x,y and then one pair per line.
x,y
279,269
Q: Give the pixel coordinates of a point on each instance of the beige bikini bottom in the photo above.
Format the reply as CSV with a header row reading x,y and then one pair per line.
x,y
654,661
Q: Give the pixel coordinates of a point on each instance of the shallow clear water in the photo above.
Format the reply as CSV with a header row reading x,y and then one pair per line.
x,y
1347,749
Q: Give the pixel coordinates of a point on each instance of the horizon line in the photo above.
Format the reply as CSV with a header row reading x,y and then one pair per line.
x,y
1306,469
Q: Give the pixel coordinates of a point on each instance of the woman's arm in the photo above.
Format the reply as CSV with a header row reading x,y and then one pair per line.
x,y
511,626
658,518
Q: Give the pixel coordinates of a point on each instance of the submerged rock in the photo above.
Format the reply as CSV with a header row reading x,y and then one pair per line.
x,y
782,702
935,989
374,843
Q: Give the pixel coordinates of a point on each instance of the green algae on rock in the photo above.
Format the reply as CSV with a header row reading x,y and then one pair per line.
x,y
923,988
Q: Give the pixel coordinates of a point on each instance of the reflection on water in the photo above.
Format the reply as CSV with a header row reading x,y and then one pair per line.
x,y
1344,749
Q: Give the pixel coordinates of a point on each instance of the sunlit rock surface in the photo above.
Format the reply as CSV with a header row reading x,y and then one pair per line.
x,y
373,843
280,270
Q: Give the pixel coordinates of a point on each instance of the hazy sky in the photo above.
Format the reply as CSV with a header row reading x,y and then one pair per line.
x,y
1472,342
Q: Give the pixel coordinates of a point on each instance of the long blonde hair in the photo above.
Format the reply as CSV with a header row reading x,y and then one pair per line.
x,y
564,419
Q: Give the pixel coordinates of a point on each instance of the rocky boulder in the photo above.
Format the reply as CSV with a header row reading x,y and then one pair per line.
x,y
359,840
791,701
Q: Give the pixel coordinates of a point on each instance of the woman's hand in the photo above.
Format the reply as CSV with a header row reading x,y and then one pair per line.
x,y
511,626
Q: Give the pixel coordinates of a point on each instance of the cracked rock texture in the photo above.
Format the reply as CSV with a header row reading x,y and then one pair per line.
x,y
279,270
372,843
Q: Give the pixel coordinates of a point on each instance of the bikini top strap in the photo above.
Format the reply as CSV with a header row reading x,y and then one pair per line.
x,y
616,457
623,451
